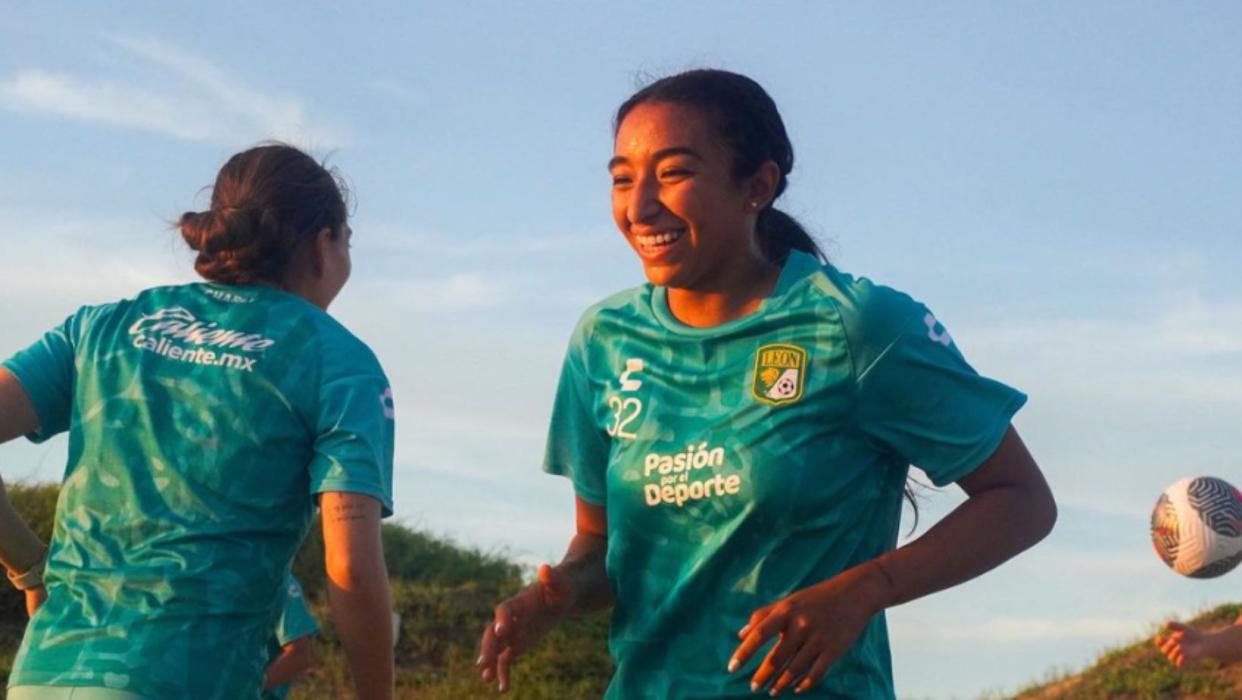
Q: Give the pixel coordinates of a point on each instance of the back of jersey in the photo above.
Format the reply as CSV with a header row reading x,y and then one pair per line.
x,y
194,414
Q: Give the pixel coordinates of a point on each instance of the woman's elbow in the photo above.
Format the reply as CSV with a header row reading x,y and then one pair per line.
x,y
1042,513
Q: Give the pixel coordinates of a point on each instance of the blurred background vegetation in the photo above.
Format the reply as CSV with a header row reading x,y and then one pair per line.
x,y
444,594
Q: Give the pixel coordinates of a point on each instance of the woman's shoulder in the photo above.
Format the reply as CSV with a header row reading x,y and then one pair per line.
x,y
872,314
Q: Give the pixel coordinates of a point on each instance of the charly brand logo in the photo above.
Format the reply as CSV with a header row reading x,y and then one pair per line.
x,y
176,334
780,373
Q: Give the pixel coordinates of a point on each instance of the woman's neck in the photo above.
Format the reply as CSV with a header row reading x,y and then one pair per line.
x,y
727,298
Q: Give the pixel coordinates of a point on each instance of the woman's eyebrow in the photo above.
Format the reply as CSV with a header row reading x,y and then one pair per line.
x,y
659,155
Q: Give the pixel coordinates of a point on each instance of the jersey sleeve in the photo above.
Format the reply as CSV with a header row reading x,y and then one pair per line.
x,y
47,370
577,447
354,428
296,620
918,397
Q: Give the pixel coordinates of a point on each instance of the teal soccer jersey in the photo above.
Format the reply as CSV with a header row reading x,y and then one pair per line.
x,y
296,621
202,421
744,462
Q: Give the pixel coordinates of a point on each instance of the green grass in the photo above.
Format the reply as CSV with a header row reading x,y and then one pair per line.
x,y
1139,672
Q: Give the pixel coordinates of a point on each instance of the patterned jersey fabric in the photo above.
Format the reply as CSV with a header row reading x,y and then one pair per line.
x,y
202,421
296,621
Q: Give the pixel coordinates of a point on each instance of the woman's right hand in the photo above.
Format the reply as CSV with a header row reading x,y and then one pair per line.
x,y
520,622
1183,644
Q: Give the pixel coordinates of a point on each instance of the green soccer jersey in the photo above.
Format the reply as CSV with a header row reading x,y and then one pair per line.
x,y
296,621
741,463
202,421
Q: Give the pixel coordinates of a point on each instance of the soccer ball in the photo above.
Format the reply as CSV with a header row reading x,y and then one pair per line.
x,y
1196,527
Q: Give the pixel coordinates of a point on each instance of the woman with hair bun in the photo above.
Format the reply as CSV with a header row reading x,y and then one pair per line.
x,y
206,422
739,432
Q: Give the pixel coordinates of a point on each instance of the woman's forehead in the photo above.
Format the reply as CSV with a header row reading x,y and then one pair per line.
x,y
652,127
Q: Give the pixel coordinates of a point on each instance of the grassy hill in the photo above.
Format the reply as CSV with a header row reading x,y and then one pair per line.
x,y
1140,672
444,593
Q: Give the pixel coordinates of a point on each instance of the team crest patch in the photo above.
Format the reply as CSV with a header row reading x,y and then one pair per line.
x,y
780,373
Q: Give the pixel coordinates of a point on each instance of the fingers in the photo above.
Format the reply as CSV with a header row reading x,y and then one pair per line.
x,y
487,652
1170,645
777,659
495,641
763,626
1175,626
796,668
502,669
816,674
503,618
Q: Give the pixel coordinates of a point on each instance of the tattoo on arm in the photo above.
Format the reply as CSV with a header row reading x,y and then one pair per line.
x,y
349,512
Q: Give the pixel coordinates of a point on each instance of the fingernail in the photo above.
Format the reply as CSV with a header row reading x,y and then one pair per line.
x,y
744,631
499,628
754,687
733,664
479,661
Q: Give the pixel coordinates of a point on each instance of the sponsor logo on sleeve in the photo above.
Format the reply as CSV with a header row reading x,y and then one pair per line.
x,y
390,411
176,334
937,332
780,374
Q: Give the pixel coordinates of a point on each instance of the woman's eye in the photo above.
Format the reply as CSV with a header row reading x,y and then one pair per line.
x,y
674,173
620,180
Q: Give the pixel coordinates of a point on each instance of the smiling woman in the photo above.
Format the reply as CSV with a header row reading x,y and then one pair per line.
x,y
809,394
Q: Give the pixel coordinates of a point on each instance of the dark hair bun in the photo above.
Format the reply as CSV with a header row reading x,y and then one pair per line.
x,y
239,246
266,202
192,225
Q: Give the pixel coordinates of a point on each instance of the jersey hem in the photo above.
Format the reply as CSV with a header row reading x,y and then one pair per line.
x,y
38,436
590,497
985,449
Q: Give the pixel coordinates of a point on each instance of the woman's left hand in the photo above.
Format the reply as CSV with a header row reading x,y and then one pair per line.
x,y
815,625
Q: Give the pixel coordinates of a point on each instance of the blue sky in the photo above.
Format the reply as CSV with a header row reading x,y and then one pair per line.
x,y
1060,182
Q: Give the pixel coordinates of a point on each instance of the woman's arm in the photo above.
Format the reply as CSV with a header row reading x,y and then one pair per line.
x,y
20,548
1009,509
358,590
579,584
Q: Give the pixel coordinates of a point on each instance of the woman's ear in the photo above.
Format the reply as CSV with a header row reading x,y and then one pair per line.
x,y
320,250
761,186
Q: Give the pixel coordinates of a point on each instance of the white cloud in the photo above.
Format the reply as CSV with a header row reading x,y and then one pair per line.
x,y
194,101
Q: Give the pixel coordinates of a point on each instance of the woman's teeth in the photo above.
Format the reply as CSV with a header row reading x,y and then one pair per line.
x,y
659,239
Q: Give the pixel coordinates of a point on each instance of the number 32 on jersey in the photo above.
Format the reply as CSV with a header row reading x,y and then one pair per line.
x,y
626,409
